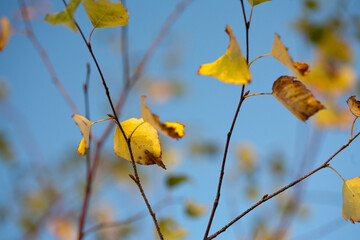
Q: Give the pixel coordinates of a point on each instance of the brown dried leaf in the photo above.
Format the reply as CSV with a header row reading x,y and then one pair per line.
x,y
296,97
354,106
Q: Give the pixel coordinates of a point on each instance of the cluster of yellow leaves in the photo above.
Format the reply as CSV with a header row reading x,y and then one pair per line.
x,y
233,68
102,13
351,199
141,133
5,32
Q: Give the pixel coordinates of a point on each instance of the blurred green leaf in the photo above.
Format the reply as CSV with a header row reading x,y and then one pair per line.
x,y
5,148
176,180
194,209
203,147
171,229
104,13
65,17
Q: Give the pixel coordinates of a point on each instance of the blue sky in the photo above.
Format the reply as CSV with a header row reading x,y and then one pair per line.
x,y
206,108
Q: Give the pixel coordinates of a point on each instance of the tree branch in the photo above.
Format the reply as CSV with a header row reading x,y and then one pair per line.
x,y
268,197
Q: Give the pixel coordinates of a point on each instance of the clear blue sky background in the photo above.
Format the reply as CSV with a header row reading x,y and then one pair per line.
x,y
207,107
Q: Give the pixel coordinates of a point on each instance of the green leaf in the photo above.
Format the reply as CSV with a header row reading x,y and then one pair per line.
x,y
171,229
104,13
256,2
194,209
175,180
65,17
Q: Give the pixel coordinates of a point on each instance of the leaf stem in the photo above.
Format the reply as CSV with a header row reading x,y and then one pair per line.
x,y
352,127
335,172
257,94
266,197
261,56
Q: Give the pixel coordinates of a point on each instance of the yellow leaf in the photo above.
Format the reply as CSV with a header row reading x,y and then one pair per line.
x,y
85,125
5,32
65,17
280,52
351,199
83,147
104,13
170,129
145,143
354,106
230,67
296,97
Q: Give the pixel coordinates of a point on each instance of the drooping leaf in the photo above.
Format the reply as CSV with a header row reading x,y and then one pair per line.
x,y
170,129
351,200
354,106
104,13
194,209
256,2
145,143
230,67
5,32
176,180
296,97
280,52
65,17
85,125
171,229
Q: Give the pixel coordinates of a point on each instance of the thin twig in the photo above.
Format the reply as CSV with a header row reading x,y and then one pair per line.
x,y
267,197
222,171
87,111
352,127
335,172
256,94
138,183
45,58
261,56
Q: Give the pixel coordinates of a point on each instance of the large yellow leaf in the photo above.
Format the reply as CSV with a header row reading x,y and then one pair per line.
x,y
170,129
65,17
351,199
5,32
104,13
354,106
230,67
145,143
85,125
280,52
296,97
